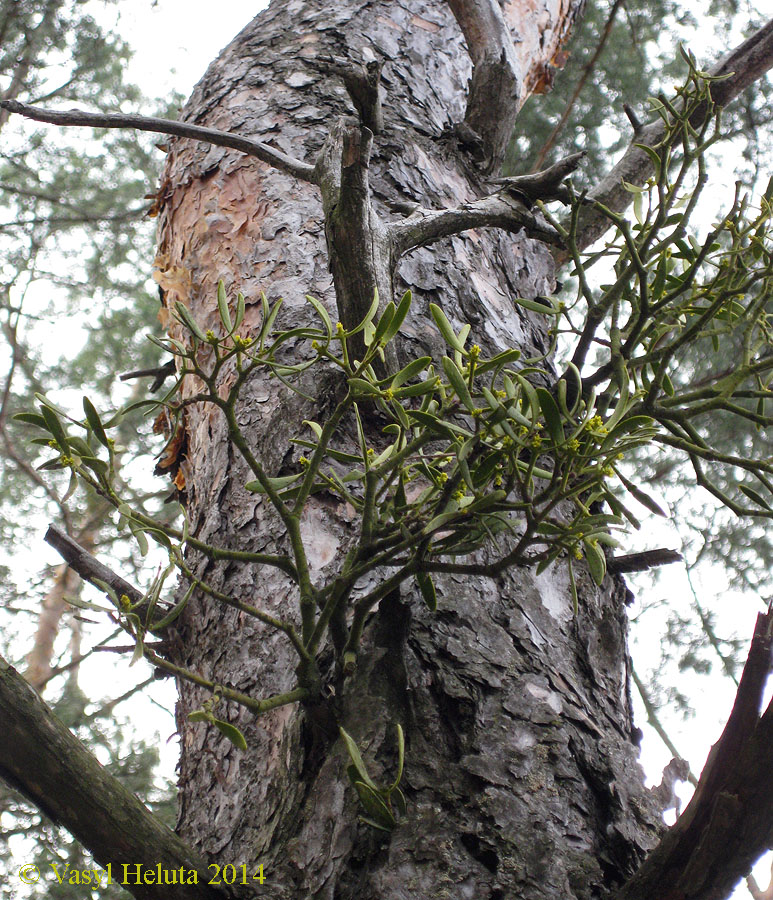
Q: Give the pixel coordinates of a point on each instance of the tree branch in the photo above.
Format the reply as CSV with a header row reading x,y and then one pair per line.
x,y
496,86
362,84
729,821
639,562
742,66
87,566
277,159
45,762
545,185
500,210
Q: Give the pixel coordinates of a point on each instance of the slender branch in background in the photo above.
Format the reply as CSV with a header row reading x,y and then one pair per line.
x,y
586,73
77,660
654,721
708,629
108,708
729,821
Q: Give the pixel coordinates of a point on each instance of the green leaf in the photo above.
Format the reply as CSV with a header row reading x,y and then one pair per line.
x,y
399,317
71,487
187,319
362,388
95,423
354,755
621,509
200,715
638,208
597,563
445,329
369,315
315,427
496,362
753,495
142,541
654,158
240,310
322,313
398,799
383,323
278,484
378,812
139,650
457,381
551,415
30,418
531,394
373,824
400,757
435,424
427,588
222,307
410,371
269,317
231,732
55,427
547,309
173,613
416,390
641,496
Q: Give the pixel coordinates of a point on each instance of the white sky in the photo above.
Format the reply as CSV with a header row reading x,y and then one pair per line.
x,y
175,40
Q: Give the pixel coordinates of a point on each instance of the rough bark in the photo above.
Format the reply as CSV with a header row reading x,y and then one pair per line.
x,y
521,773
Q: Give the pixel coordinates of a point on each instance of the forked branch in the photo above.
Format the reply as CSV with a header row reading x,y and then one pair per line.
x,y
496,86
729,821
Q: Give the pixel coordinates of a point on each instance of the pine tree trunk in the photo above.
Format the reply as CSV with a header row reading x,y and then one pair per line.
x,y
521,774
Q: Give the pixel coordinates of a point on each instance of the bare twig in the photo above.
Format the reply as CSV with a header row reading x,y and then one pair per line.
x,y
654,721
362,84
88,566
545,185
500,210
640,562
38,754
277,159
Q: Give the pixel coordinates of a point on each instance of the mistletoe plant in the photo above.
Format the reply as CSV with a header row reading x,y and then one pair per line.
x,y
482,463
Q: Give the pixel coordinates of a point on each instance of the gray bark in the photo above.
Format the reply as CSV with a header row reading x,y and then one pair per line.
x,y
521,774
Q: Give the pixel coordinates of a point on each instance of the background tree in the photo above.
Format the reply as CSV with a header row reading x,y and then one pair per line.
x,y
483,706
72,239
